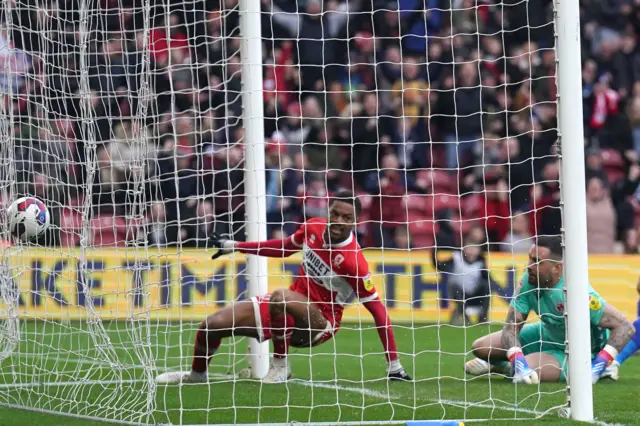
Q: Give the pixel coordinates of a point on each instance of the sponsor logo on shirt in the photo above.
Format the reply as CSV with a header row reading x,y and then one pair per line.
x,y
315,266
594,303
368,283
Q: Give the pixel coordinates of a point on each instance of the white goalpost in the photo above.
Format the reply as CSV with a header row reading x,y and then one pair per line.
x,y
574,208
251,53
147,126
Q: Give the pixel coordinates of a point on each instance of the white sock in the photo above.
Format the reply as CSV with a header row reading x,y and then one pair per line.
x,y
279,362
394,366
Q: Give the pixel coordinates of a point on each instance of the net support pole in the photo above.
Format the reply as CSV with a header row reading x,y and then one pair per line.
x,y
256,206
574,208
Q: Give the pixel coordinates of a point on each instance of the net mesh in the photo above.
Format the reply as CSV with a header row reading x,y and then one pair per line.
x,y
125,117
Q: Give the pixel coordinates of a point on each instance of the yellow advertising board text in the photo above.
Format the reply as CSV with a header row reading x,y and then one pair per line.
x,y
189,285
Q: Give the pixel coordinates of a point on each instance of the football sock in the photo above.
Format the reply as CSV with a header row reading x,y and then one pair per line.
x,y
632,346
281,331
203,350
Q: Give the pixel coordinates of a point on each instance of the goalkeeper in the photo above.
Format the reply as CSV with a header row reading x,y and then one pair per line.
x,y
536,352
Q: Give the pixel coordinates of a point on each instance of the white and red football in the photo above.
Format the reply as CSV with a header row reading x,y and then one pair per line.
x,y
28,218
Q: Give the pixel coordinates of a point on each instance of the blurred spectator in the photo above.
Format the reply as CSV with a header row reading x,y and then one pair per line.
x,y
601,218
281,187
402,238
388,210
518,239
357,94
197,224
410,91
315,198
468,281
459,114
594,166
317,45
14,64
161,232
369,127
496,209
445,235
545,202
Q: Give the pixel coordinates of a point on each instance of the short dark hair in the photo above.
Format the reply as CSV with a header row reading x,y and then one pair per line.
x,y
348,197
553,243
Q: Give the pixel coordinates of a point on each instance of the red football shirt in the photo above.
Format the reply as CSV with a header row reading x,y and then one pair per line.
x,y
332,275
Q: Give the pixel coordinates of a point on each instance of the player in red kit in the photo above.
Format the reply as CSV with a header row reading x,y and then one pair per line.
x,y
333,273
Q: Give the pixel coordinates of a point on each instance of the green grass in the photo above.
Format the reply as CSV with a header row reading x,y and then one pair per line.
x,y
58,368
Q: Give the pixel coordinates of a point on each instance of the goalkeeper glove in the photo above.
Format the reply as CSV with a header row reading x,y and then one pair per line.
x,y
602,361
225,246
522,373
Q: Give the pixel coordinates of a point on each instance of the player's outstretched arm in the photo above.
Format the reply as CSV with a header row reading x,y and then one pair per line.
x,y
621,333
621,328
395,371
512,325
510,341
269,248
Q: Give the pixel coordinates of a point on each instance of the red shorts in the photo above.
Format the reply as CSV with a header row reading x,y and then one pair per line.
x,y
263,321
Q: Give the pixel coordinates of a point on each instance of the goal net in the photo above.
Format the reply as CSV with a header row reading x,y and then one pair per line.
x,y
130,120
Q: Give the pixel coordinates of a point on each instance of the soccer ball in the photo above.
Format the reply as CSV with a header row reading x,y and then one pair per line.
x,y
28,218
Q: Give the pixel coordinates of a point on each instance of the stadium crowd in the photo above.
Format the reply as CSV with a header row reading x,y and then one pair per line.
x,y
442,120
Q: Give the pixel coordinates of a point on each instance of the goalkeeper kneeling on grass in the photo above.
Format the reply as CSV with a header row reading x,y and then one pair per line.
x,y
536,352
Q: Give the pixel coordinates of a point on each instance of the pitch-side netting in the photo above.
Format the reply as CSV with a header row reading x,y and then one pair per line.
x,y
130,120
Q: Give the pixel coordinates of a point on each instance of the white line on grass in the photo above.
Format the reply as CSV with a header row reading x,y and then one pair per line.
x,y
306,383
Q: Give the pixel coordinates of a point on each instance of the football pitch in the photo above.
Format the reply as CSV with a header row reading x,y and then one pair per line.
x,y
57,367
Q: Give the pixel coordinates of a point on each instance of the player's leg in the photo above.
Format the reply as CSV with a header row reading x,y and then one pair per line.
x,y
549,365
483,301
544,355
235,320
456,294
541,353
490,357
293,317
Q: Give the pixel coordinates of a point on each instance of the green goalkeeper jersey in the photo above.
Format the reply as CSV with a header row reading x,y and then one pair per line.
x,y
549,305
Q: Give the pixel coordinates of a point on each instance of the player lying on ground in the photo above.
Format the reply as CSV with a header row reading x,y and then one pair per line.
x,y
536,351
333,272
613,371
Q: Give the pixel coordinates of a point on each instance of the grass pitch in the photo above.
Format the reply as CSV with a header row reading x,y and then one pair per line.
x,y
72,368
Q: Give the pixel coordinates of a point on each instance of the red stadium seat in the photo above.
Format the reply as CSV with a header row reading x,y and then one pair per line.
x,y
438,181
108,231
421,230
447,202
472,204
419,204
